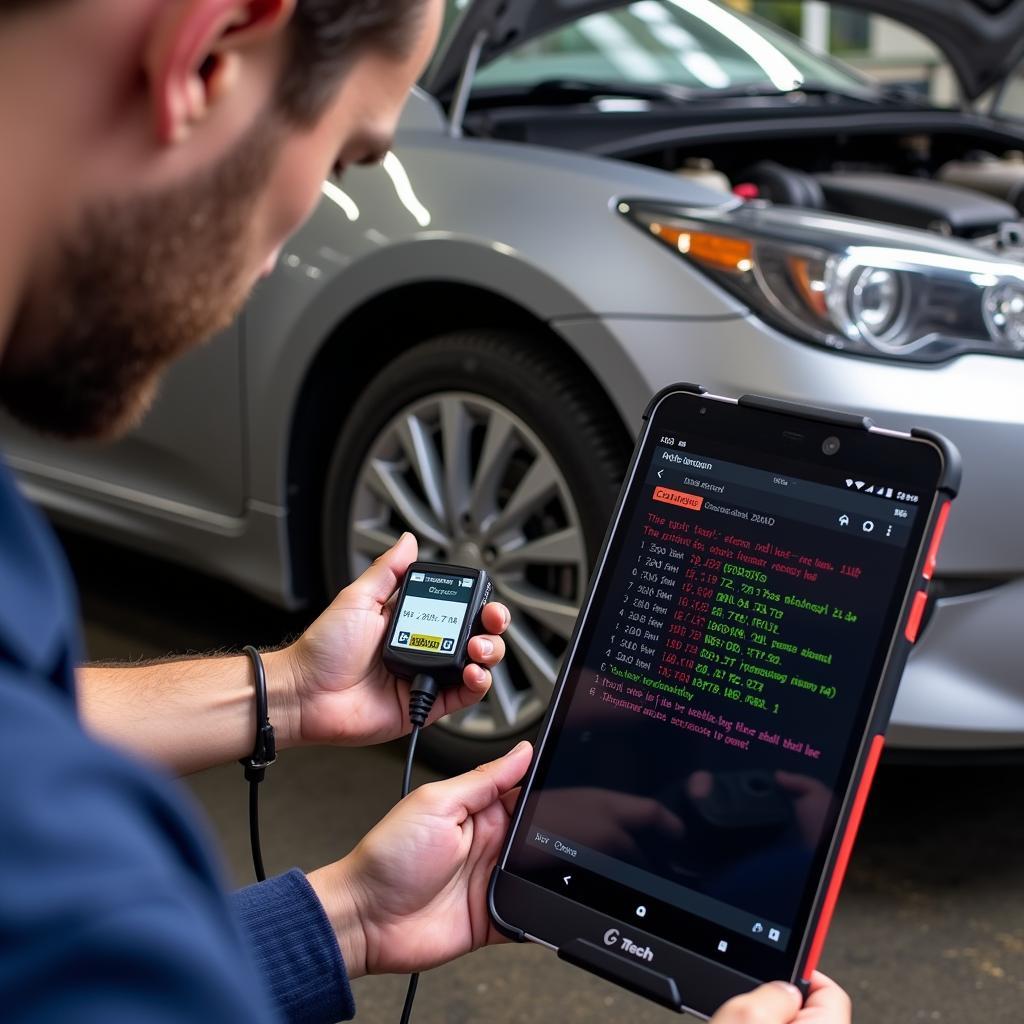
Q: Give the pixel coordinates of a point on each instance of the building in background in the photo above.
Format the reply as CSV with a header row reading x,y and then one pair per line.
x,y
879,46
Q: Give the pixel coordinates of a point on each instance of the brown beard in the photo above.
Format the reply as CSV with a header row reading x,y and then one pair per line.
x,y
137,284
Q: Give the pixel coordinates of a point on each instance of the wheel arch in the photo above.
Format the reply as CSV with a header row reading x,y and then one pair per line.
x,y
357,349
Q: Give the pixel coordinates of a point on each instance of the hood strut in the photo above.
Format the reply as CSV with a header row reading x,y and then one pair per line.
x,y
460,98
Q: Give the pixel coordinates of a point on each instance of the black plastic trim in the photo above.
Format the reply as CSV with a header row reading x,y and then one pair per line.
x,y
951,460
638,978
807,412
888,689
558,921
692,389
506,929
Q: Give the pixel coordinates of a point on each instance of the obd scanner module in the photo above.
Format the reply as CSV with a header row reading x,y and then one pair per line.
x,y
437,611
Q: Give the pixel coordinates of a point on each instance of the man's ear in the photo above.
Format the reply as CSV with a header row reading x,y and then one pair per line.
x,y
193,54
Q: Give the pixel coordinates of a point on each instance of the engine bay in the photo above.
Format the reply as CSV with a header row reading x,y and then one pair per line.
x,y
980,199
954,183
956,173
975,193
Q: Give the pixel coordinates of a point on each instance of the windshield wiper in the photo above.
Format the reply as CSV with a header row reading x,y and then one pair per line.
x,y
807,89
581,89
578,90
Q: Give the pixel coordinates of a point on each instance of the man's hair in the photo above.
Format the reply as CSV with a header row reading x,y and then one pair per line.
x,y
327,34
325,37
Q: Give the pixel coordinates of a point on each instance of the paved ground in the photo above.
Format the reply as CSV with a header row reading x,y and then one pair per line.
x,y
930,926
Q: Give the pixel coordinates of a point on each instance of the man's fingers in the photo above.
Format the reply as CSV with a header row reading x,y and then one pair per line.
x,y
476,680
508,800
495,937
829,1000
496,617
641,811
479,788
487,650
378,583
800,785
622,844
774,1003
669,823
700,784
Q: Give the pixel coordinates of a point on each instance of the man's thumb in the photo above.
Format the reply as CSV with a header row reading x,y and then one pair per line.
x,y
479,788
378,583
775,1003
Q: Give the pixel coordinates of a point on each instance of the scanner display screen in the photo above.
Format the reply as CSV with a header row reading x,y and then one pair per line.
x,y
431,617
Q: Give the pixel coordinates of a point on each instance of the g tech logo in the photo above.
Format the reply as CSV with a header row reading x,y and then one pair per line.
x,y
612,937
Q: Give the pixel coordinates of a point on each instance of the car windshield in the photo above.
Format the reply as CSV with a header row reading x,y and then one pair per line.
x,y
695,44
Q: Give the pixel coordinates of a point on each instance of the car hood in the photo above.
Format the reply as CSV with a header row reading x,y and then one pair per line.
x,y
982,39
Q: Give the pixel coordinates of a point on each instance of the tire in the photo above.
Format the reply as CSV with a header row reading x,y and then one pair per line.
x,y
483,444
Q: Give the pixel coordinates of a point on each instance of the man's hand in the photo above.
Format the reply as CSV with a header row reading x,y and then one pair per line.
x,y
343,692
413,893
779,1003
607,820
812,803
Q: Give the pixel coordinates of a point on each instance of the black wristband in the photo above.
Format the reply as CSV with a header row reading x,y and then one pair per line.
x,y
264,751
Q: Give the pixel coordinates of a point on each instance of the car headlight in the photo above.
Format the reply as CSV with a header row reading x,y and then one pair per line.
x,y
850,284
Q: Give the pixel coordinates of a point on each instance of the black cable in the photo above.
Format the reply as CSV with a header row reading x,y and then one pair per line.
x,y
421,699
254,831
422,694
410,756
264,753
410,996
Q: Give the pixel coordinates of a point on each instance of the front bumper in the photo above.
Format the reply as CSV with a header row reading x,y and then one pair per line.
x,y
963,687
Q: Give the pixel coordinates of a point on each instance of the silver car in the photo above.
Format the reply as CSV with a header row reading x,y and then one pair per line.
x,y
585,202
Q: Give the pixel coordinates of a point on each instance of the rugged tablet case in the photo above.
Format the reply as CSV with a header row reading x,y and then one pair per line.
x,y
660,987
910,623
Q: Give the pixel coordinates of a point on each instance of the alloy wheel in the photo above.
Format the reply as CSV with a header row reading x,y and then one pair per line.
x,y
478,487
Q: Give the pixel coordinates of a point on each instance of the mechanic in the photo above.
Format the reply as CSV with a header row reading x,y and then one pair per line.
x,y
157,153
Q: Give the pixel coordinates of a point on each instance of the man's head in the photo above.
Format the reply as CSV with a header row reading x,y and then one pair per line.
x,y
200,132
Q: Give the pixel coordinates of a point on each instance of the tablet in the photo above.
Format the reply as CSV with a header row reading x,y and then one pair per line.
x,y
698,781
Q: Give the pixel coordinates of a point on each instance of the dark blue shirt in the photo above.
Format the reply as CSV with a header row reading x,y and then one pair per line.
x,y
112,909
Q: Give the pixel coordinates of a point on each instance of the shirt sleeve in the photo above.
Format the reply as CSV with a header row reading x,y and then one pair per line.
x,y
111,909
295,949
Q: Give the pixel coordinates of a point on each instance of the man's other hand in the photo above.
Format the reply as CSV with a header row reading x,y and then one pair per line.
x,y
779,1003
413,893
343,692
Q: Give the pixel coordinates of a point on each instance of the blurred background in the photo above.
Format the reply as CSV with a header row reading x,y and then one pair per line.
x,y
881,47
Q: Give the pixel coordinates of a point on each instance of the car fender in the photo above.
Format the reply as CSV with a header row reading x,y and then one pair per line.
x,y
534,226
275,375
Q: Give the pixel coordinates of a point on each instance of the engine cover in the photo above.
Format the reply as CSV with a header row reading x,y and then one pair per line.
x,y
915,202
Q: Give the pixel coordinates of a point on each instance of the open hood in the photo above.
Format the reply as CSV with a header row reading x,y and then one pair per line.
x,y
982,39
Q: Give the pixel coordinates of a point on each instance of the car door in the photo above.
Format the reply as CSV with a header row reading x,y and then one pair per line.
x,y
185,455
